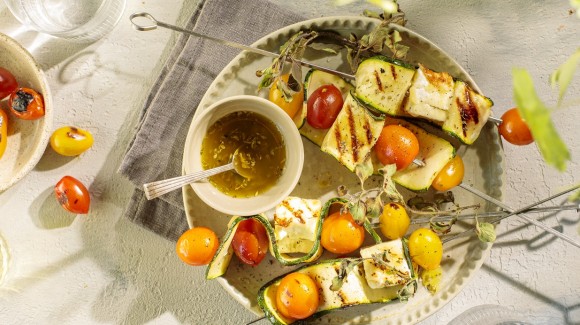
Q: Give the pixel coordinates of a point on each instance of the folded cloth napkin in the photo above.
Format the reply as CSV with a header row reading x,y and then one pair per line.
x,y
157,149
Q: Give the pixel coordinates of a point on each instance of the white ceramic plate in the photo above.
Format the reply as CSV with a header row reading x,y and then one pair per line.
x,y
324,174
27,140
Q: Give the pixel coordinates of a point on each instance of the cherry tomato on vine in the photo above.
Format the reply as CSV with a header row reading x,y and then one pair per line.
x,y
197,246
72,195
3,131
8,83
251,242
397,145
323,106
514,129
297,296
71,141
450,176
341,234
276,97
425,248
394,221
26,104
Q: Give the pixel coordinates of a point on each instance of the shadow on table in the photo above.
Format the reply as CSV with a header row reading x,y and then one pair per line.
x,y
570,312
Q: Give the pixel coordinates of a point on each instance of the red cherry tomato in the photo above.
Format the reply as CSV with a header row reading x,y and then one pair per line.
x,y
397,145
251,242
26,104
8,83
72,195
514,129
323,106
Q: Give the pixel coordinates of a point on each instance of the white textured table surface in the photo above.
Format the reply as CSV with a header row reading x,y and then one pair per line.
x,y
101,268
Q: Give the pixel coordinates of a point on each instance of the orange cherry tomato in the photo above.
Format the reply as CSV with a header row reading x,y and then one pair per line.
x,y
341,234
197,246
397,145
3,132
450,176
72,195
26,104
251,242
425,248
276,97
8,83
297,296
514,129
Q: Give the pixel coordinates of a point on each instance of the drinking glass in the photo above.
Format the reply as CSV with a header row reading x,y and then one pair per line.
x,y
77,20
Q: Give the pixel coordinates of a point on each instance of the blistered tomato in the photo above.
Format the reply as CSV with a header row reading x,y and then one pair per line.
x,y
323,106
26,104
72,195
3,131
71,141
297,296
291,107
197,246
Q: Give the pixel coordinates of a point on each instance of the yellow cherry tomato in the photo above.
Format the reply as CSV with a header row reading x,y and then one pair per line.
x,y
71,141
341,234
3,131
425,248
450,176
394,221
276,97
297,296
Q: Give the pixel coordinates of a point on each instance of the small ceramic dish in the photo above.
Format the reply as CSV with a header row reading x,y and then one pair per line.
x,y
27,140
293,163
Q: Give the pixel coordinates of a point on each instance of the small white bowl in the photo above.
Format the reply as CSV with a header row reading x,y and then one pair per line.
x,y
27,140
294,156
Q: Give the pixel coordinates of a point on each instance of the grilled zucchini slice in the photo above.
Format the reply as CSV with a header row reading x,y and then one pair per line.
x,y
314,80
467,114
355,289
434,151
382,83
354,133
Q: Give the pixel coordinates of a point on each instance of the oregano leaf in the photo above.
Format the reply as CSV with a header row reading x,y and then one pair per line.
x,y
562,77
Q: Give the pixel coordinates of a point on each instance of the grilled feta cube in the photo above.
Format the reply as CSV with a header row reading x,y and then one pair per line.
x,y
295,224
385,264
430,95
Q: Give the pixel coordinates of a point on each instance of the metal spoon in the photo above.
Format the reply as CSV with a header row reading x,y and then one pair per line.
x,y
158,188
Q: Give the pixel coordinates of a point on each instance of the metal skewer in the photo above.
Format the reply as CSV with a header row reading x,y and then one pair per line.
x,y
518,213
154,24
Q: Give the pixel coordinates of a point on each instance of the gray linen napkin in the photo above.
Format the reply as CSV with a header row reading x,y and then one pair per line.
x,y
156,151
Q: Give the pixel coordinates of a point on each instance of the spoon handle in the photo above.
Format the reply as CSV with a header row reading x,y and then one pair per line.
x,y
158,188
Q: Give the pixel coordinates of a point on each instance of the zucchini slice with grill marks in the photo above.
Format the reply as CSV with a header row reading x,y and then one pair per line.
x,y
354,133
467,114
314,80
355,289
434,151
383,83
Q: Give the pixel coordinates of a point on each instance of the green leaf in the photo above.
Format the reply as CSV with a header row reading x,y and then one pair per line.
x,y
389,186
537,116
564,74
389,6
485,231
358,210
576,5
574,197
346,266
364,170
